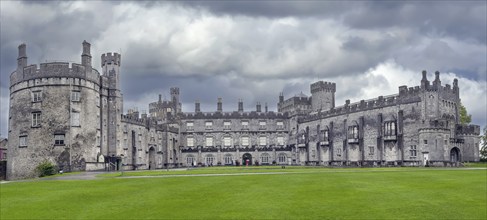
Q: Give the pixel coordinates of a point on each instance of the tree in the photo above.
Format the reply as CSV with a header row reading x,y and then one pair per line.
x,y
483,149
465,118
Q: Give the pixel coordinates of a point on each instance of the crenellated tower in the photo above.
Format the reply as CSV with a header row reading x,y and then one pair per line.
x,y
322,96
112,103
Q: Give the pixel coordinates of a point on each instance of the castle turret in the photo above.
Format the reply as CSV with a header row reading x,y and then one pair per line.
x,y
219,105
110,64
322,95
240,105
197,106
22,59
424,81
281,97
86,56
437,82
175,99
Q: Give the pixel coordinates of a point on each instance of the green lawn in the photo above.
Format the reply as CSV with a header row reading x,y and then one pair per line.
x,y
373,193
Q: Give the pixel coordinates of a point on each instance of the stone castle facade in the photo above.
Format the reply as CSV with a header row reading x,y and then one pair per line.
x,y
72,115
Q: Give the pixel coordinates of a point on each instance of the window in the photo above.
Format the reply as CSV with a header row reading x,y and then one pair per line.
x,y
97,101
189,125
262,141
425,141
371,150
209,159
228,159
339,152
23,141
353,132
36,96
325,135
280,140
412,151
209,141
75,119
208,125
190,141
190,160
227,141
227,125
390,128
59,139
36,119
245,141
280,125
4,156
282,158
125,143
245,124
264,158
75,96
262,125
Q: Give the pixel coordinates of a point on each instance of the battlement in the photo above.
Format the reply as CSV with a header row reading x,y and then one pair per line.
x,y
110,58
54,70
323,86
467,130
234,115
174,91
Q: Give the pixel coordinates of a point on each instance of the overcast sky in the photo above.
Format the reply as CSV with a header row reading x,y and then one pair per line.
x,y
253,49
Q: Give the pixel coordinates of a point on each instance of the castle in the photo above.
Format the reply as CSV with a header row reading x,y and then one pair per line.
x,y
72,115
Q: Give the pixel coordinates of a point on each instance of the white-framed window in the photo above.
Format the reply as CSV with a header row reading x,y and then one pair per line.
x,y
227,125
189,125
262,140
75,96
412,151
190,141
75,121
36,96
353,132
390,128
371,150
36,119
209,159
245,124
190,161
209,141
264,158
280,140
23,141
125,143
281,158
227,141
245,141
262,125
228,159
59,139
208,125
280,125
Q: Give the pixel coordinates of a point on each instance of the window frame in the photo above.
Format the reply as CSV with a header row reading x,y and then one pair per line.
x,y
76,96
36,119
23,143
59,142
36,96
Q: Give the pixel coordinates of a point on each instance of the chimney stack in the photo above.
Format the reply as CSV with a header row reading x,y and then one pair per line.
x,y
240,105
197,106
219,105
258,107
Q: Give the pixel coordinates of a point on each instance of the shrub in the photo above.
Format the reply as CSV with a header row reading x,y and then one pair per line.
x,y
45,168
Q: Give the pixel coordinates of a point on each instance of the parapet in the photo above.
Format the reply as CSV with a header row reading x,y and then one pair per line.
x,y
54,70
323,86
174,91
110,58
467,130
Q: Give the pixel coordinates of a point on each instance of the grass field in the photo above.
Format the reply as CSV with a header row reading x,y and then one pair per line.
x,y
291,193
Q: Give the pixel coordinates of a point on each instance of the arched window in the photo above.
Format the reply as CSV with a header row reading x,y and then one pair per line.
x,y
264,158
228,159
281,158
190,161
209,159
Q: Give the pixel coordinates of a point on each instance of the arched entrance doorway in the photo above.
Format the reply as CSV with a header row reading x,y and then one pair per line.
x,y
455,155
247,159
152,158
